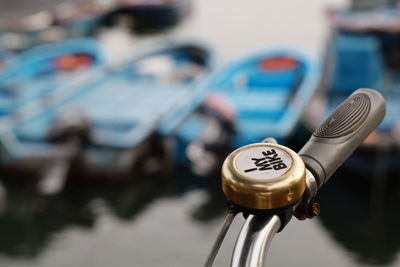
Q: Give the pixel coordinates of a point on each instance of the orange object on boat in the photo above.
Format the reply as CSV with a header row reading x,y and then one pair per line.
x,y
278,63
73,61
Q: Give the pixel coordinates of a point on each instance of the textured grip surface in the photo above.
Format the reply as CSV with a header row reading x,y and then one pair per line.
x,y
347,118
342,132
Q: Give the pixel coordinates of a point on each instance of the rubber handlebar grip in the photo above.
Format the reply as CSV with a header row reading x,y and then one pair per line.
x,y
342,132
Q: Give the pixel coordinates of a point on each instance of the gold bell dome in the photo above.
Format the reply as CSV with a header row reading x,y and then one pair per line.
x,y
263,176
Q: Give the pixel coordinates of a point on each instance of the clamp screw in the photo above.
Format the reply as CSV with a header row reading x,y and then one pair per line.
x,y
313,210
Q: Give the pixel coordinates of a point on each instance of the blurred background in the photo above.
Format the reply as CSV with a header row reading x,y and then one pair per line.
x,y
115,117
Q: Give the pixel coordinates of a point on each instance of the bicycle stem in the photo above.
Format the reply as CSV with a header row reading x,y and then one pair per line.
x,y
254,240
256,235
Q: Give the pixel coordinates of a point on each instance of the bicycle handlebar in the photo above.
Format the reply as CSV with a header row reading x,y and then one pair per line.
x,y
272,182
342,132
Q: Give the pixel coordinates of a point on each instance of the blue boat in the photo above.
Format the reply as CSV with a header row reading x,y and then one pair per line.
x,y
112,121
258,96
38,72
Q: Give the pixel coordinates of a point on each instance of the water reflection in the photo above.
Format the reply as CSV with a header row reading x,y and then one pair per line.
x,y
361,214
30,223
214,205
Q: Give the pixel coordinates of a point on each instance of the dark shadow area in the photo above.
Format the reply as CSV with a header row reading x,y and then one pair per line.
x,y
361,214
